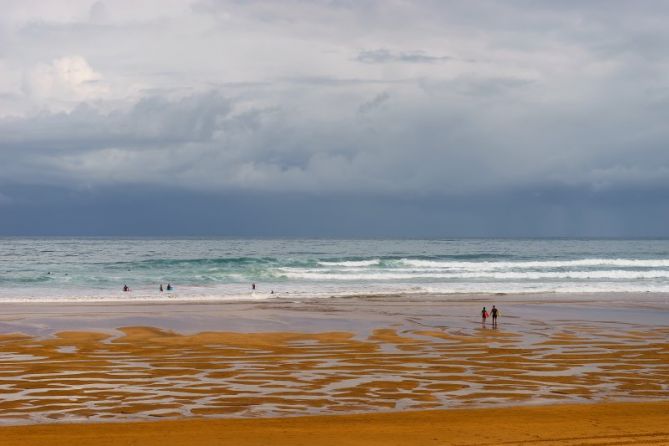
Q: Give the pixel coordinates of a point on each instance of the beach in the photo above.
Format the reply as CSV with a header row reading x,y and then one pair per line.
x,y
334,222
600,424
361,361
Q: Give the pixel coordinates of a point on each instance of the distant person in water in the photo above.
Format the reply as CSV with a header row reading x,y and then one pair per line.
x,y
484,315
494,313
253,287
126,288
169,287
161,287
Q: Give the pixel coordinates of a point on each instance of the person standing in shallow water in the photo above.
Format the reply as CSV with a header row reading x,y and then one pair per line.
x,y
494,312
484,315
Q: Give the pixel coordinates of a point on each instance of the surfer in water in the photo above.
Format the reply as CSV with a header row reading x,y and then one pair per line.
x,y
161,288
484,315
126,287
169,287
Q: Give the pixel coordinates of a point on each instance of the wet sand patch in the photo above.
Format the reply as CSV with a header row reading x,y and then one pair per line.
x,y
147,372
563,425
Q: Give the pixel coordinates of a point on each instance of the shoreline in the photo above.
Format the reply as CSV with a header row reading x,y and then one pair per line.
x,y
603,423
454,297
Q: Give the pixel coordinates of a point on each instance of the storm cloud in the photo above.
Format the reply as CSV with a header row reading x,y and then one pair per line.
x,y
408,118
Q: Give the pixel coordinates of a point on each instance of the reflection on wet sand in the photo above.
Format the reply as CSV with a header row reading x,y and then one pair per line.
x,y
146,372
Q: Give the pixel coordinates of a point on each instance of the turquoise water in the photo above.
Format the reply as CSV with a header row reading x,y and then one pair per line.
x,y
59,269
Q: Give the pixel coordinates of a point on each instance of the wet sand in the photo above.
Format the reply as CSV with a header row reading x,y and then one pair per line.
x,y
277,360
600,424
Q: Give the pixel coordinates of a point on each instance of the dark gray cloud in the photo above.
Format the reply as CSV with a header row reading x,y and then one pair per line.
x,y
382,55
375,102
499,118
138,210
150,121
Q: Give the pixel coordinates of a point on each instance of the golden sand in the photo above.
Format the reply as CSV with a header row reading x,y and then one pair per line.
x,y
564,425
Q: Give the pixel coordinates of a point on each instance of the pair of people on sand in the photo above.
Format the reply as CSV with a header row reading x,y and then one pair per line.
x,y
493,313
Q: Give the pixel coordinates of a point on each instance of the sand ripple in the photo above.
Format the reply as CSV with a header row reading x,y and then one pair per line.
x,y
149,373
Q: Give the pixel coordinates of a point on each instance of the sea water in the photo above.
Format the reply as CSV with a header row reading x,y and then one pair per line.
x,y
200,269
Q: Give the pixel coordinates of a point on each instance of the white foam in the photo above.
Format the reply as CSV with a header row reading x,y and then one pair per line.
x,y
352,263
359,277
390,274
320,290
593,262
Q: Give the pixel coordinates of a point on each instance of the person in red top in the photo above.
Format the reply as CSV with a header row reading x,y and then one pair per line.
x,y
484,315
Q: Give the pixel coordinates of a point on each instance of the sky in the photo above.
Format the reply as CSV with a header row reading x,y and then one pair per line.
x,y
340,118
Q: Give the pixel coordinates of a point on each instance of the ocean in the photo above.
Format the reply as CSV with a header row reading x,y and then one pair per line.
x,y
219,269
